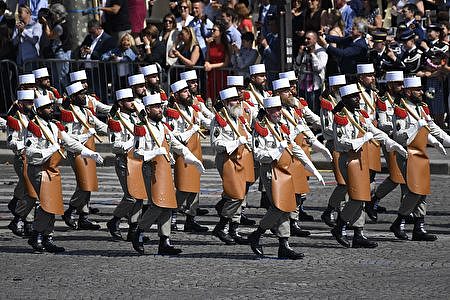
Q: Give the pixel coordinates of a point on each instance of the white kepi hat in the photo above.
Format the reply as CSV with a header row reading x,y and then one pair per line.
x,y
282,83
337,80
394,76
290,75
178,86
348,89
136,79
152,99
74,88
149,70
78,76
40,73
124,94
412,82
365,69
42,101
235,80
27,79
274,101
188,75
257,69
25,95
228,93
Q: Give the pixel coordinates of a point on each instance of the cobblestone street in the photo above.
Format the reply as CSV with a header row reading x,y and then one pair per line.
x,y
95,266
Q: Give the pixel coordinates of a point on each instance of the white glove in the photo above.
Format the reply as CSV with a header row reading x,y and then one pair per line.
x,y
421,123
283,144
91,132
392,145
201,169
319,147
192,160
440,148
368,136
319,177
128,144
55,147
242,140
97,157
185,136
149,155
20,145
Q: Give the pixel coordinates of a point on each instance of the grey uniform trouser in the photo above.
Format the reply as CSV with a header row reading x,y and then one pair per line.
x,y
298,199
25,204
387,185
274,218
44,222
80,199
161,215
353,210
128,207
411,202
191,199
338,196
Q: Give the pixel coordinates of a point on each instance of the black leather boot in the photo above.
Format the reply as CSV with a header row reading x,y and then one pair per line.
x,y
85,224
360,241
165,248
302,215
113,227
286,252
219,231
192,226
338,232
327,216
12,205
173,222
398,228
131,230
233,232
254,238
69,218
137,240
27,229
296,229
202,211
419,232
219,206
16,226
264,202
35,241
50,246
246,220
370,209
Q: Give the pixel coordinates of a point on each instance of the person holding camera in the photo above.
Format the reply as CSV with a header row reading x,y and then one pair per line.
x,y
311,61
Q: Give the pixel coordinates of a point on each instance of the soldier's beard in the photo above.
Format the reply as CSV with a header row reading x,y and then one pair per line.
x,y
235,111
187,102
290,102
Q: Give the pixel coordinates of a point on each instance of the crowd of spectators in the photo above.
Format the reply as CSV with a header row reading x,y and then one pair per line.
x,y
226,37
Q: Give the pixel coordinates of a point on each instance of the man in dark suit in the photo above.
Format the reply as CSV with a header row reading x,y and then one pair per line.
x,y
265,9
6,20
352,49
92,48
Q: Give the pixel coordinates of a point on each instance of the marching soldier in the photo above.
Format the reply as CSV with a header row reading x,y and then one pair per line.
x,y
137,84
234,161
385,112
414,129
44,86
327,119
151,75
23,200
184,119
275,151
153,143
43,153
303,137
93,102
192,81
82,125
27,82
258,84
353,129
121,125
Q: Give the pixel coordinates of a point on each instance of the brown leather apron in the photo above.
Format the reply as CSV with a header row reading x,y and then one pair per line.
x,y
394,171
86,170
50,194
162,187
28,185
247,158
418,164
135,179
234,174
298,171
186,176
358,183
283,190
374,154
337,172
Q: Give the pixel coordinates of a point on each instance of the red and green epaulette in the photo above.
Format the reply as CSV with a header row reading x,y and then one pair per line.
x,y
60,126
243,120
200,98
326,105
168,126
285,129
400,112
196,107
55,92
303,102
163,95
246,95
364,113
299,112
114,125
67,116
172,113
221,121
381,105
139,130
261,130
425,107
13,123
34,129
341,120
